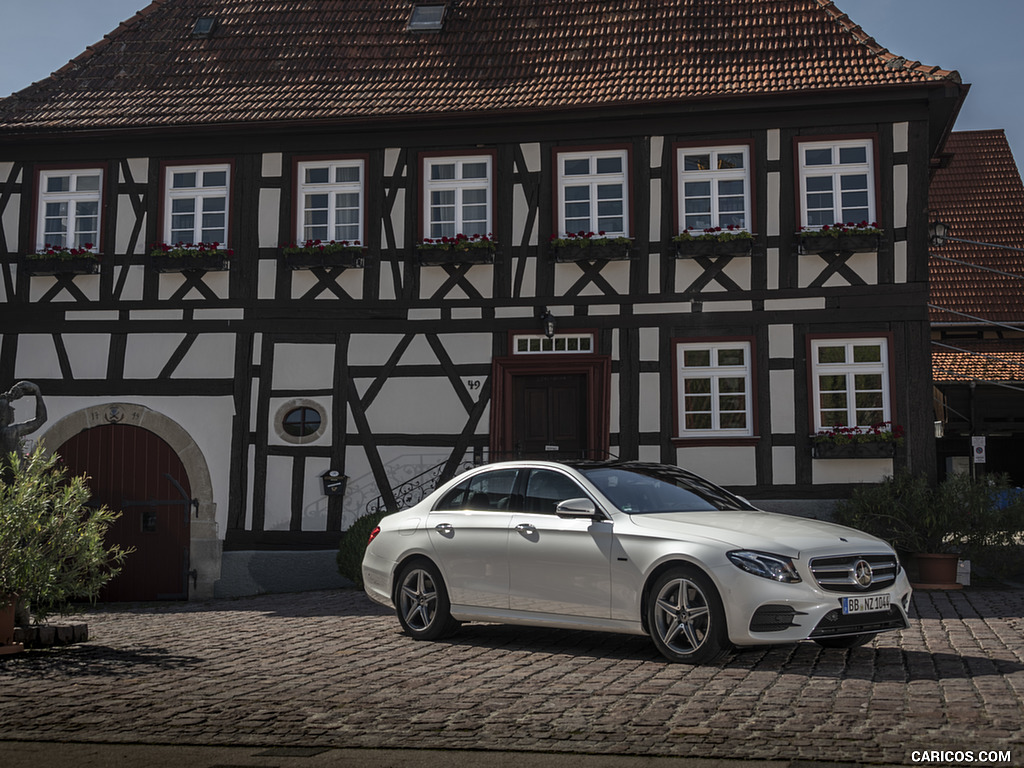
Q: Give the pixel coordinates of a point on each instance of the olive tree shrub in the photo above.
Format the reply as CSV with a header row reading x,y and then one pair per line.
x,y
52,548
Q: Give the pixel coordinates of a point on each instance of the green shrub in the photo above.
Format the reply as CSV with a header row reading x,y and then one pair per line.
x,y
982,519
52,547
353,546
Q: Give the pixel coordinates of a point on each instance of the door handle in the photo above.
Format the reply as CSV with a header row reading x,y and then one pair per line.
x,y
526,528
444,528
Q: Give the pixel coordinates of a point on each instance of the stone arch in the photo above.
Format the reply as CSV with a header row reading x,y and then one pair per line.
x,y
205,546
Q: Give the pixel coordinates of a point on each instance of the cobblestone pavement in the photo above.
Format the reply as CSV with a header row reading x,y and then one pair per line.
x,y
331,669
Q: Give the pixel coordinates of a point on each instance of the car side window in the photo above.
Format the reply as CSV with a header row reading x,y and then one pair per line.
x,y
545,489
488,490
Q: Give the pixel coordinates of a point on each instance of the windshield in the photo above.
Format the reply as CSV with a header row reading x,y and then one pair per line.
x,y
648,489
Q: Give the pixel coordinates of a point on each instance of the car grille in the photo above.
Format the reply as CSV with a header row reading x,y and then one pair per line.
x,y
835,623
774,618
836,574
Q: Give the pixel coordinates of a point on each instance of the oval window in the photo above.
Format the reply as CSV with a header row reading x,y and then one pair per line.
x,y
302,421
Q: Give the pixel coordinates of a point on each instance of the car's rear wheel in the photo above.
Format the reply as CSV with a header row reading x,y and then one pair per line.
x,y
686,618
848,641
422,602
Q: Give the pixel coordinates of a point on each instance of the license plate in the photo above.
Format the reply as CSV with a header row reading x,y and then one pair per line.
x,y
866,604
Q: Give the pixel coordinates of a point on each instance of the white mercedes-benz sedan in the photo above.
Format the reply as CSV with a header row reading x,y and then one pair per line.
x,y
634,548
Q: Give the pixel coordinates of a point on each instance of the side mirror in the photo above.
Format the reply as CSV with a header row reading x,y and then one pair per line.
x,y
573,508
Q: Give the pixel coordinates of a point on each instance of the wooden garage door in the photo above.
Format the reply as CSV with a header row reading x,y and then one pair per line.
x,y
135,471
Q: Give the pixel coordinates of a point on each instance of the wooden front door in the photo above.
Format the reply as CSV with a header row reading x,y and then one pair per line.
x,y
550,416
133,470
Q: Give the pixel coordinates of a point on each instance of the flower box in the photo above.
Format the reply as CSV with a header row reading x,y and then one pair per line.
x,y
591,251
429,256
689,248
847,243
207,262
350,258
54,265
877,449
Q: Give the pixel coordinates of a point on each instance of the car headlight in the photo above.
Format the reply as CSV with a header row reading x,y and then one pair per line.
x,y
774,567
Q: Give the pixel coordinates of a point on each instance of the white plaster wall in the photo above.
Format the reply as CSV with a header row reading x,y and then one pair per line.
x,y
900,196
783,465
900,137
266,279
467,347
133,282
774,195
9,219
899,253
87,284
87,354
726,465
531,153
272,165
783,417
147,353
824,471
270,209
655,212
650,339
650,402
314,503
425,404
616,273
211,356
217,281
303,366
780,341
125,223
480,276
278,509
37,358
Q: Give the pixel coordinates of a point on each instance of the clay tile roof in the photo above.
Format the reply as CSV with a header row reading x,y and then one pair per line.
x,y
287,60
966,360
980,196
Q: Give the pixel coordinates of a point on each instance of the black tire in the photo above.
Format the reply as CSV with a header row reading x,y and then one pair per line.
x,y
847,641
685,617
421,602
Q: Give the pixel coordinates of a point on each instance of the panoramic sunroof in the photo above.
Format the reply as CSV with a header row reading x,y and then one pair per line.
x,y
426,18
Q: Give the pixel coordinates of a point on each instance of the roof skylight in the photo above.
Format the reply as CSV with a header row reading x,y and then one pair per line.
x,y
204,26
426,17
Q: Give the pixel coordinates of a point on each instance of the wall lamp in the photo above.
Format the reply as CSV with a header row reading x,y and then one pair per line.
x,y
938,231
549,323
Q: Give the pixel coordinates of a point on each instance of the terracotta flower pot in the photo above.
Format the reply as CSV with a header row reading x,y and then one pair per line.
x,y
7,644
936,571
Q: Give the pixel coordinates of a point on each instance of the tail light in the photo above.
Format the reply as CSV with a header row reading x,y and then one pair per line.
x,y
373,535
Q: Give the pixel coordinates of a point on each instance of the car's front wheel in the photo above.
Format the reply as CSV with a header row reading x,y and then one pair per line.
x,y
422,602
686,618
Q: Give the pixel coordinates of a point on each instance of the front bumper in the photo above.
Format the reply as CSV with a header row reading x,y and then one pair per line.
x,y
762,612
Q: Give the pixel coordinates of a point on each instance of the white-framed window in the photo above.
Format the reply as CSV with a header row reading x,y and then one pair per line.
x,y
593,192
457,196
330,200
850,379
196,199
715,390
837,182
69,208
714,187
560,343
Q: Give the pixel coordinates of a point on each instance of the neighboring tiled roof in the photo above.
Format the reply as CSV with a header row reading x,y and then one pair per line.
x,y
286,60
980,196
981,360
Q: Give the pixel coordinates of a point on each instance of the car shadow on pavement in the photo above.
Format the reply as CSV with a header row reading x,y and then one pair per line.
x,y
876,664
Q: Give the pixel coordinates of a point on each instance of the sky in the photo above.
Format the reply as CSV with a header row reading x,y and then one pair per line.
x,y
978,38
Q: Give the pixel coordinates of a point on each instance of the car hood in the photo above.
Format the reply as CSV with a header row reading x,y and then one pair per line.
x,y
762,531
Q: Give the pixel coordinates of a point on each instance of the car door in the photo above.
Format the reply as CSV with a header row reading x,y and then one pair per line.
x,y
469,529
556,565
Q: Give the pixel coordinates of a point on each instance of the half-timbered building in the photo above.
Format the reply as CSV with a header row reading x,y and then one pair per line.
x,y
977,277
243,396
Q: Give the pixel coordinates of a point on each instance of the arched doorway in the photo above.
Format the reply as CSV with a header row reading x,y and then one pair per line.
x,y
135,471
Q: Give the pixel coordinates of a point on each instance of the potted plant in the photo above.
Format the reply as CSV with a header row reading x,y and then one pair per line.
x,y
52,547
460,249
713,241
317,253
879,441
852,238
61,260
961,517
182,257
587,246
